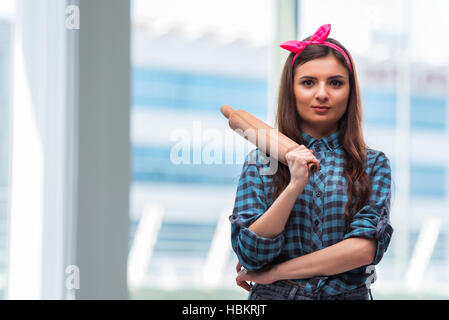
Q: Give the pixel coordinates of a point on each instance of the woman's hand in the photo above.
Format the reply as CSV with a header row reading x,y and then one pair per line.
x,y
262,277
241,283
298,160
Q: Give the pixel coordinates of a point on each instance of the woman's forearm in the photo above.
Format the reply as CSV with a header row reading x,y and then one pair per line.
x,y
343,256
273,221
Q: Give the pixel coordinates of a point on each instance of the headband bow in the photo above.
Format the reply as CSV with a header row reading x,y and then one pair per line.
x,y
319,37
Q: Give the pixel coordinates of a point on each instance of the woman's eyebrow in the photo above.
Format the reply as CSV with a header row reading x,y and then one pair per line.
x,y
338,76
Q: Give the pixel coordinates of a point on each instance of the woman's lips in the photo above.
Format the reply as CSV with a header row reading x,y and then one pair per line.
x,y
320,109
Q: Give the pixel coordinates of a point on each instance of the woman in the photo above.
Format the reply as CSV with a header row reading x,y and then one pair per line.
x,y
314,235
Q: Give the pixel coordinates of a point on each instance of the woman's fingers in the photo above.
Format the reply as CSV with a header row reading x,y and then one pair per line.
x,y
307,156
241,283
245,285
299,153
305,159
315,161
238,266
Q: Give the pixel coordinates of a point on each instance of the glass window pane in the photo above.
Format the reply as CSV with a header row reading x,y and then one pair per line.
x,y
379,108
428,112
428,181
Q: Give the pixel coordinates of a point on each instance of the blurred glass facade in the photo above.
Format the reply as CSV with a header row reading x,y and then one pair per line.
x,y
178,80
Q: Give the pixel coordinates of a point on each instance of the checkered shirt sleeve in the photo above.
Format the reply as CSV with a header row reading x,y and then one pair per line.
x,y
373,220
254,252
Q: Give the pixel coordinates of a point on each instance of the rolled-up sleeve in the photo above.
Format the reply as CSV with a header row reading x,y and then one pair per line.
x,y
373,220
254,252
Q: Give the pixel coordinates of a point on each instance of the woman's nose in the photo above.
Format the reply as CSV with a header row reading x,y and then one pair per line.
x,y
321,93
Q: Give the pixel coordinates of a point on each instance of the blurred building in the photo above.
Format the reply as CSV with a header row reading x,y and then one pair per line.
x,y
180,84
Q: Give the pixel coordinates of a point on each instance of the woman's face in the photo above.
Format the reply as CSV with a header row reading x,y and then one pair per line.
x,y
321,82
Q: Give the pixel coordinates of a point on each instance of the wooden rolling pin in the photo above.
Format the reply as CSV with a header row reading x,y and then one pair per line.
x,y
242,120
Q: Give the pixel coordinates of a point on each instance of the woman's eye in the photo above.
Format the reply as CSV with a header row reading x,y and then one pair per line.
x,y
333,83
307,83
336,83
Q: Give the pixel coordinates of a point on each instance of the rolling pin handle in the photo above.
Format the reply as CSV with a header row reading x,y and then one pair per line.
x,y
312,167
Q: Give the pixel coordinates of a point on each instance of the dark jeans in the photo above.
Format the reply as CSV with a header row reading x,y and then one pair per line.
x,y
281,290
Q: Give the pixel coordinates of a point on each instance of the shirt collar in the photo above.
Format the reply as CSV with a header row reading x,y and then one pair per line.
x,y
330,142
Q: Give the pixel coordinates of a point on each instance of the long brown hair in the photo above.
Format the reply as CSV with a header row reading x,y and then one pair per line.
x,y
350,127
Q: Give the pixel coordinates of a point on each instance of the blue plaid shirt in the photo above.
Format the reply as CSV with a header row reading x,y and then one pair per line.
x,y
317,219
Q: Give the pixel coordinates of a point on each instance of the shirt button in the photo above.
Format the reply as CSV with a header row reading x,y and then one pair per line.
x,y
318,194
317,222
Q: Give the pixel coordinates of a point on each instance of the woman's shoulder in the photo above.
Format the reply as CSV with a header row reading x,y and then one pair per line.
x,y
376,158
260,164
257,157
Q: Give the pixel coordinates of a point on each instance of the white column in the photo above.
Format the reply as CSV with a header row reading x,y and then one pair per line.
x,y
422,253
401,202
142,247
286,24
37,166
219,250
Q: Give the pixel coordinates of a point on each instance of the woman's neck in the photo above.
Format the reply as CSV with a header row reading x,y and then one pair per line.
x,y
318,134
